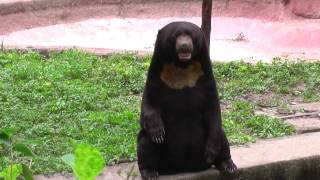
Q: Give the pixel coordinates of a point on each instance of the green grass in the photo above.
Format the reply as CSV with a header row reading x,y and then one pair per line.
x,y
284,77
243,126
73,96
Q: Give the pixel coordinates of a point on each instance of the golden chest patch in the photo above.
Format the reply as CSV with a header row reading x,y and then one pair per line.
x,y
180,78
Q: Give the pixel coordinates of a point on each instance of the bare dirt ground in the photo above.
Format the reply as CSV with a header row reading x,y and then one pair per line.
x,y
244,30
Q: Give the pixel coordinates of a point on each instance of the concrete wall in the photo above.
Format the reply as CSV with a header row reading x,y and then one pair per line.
x,y
8,7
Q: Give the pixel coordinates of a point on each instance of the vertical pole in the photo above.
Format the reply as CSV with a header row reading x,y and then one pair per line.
x,y
206,19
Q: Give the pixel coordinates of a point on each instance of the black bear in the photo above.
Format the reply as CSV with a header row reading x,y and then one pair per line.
x,y
181,128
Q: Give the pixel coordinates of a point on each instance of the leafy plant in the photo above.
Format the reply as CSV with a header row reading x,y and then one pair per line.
x,y
14,148
86,162
11,172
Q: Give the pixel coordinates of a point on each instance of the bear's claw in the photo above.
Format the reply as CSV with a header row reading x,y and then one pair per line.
x,y
227,166
149,174
157,135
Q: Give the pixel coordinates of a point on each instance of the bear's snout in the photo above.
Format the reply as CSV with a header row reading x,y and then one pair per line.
x,y
184,47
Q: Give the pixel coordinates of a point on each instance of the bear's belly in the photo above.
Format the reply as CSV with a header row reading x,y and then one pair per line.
x,y
186,127
185,141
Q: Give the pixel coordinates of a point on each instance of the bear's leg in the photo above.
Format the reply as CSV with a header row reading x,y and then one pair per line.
x,y
147,157
224,162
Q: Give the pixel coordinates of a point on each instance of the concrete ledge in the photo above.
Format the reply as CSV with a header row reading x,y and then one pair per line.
x,y
298,169
295,157
306,168
17,6
34,5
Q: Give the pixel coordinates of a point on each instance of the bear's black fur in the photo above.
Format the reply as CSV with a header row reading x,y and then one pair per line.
x,y
180,113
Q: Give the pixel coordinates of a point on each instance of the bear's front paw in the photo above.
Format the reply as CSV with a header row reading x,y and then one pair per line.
x,y
147,174
156,131
211,152
227,166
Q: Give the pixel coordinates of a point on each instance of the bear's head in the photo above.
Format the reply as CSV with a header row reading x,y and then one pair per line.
x,y
181,43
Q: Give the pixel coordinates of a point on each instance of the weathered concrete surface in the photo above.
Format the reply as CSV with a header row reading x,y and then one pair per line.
x,y
245,30
305,168
54,177
304,125
276,150
309,123
305,117
299,169
17,6
294,158
307,107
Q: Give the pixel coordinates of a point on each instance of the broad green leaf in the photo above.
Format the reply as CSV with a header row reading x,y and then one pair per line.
x,y
6,134
26,173
4,137
9,131
23,149
11,172
88,162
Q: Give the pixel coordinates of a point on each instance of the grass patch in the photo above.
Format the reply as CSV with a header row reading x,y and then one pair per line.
x,y
243,126
281,77
73,96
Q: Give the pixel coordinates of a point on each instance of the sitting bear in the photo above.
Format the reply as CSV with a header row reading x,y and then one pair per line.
x,y
181,128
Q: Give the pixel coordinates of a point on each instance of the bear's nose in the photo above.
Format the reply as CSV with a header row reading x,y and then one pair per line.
x,y
184,43
184,46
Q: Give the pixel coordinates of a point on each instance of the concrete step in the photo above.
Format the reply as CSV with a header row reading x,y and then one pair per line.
x,y
305,125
